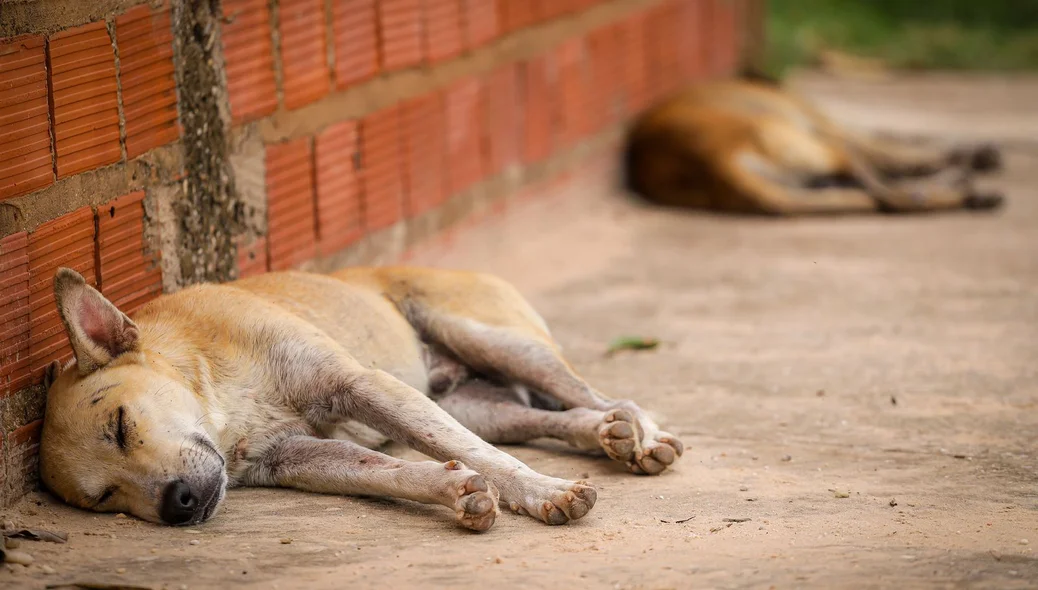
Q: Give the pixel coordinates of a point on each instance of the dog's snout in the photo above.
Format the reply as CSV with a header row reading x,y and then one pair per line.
x,y
179,503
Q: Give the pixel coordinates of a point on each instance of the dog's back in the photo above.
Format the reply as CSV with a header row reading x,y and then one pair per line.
x,y
685,150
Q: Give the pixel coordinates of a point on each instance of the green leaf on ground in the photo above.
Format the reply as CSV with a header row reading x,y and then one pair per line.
x,y
632,343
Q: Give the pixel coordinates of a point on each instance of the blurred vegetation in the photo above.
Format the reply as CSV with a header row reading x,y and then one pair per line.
x,y
1000,35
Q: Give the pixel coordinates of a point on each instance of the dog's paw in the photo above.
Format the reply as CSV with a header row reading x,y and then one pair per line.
x,y
618,435
657,454
981,201
475,504
986,158
557,501
628,435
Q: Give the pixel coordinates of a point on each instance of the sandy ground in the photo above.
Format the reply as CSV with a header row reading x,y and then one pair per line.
x,y
893,359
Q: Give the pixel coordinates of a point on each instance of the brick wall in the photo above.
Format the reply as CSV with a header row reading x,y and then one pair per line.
x,y
150,146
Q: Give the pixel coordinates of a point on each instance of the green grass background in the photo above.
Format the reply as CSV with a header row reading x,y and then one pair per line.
x,y
996,35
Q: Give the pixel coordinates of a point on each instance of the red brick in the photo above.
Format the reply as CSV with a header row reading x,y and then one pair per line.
x,y
130,272
691,48
337,160
14,313
514,15
502,119
252,258
572,83
721,18
382,169
249,59
662,36
355,41
518,14
464,135
291,223
552,9
304,55
635,77
481,22
444,38
538,113
425,141
25,148
66,241
400,33
26,436
145,42
601,100
85,99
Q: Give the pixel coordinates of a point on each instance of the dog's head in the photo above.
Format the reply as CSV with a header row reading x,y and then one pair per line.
x,y
122,431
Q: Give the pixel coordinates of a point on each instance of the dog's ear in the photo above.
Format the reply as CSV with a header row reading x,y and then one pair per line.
x,y
97,330
51,374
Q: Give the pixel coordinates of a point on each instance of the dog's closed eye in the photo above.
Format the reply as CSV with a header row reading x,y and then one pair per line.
x,y
105,496
120,429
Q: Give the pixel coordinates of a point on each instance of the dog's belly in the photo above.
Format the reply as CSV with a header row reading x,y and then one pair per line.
x,y
355,432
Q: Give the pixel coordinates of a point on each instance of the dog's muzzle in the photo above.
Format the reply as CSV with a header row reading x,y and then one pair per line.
x,y
179,504
185,502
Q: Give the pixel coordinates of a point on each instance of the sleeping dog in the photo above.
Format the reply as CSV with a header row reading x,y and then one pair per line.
x,y
294,379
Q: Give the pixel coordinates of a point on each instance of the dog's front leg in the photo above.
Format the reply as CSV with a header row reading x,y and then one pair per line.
x,y
408,416
342,467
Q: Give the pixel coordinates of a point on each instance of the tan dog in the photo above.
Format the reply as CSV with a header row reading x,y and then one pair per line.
x,y
752,147
290,379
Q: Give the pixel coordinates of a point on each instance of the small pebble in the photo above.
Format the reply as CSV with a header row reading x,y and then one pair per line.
x,y
8,525
787,458
744,489
12,543
842,494
286,541
154,550
120,515
120,570
48,570
893,502
18,557
193,542
1024,541
498,560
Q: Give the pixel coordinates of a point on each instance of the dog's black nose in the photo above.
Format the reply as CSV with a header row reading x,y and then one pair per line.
x,y
179,503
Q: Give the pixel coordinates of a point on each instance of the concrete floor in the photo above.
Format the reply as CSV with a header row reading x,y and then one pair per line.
x,y
891,358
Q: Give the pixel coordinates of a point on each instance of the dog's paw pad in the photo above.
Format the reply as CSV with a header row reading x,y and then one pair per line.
x,y
571,504
657,455
618,435
476,506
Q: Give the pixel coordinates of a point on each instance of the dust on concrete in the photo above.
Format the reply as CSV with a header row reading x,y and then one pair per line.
x,y
756,318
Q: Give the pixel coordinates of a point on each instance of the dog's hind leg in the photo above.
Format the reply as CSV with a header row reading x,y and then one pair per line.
x,y
504,337
342,467
498,415
899,159
760,191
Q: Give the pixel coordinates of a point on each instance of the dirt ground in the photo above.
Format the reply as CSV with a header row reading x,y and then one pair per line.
x,y
890,359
